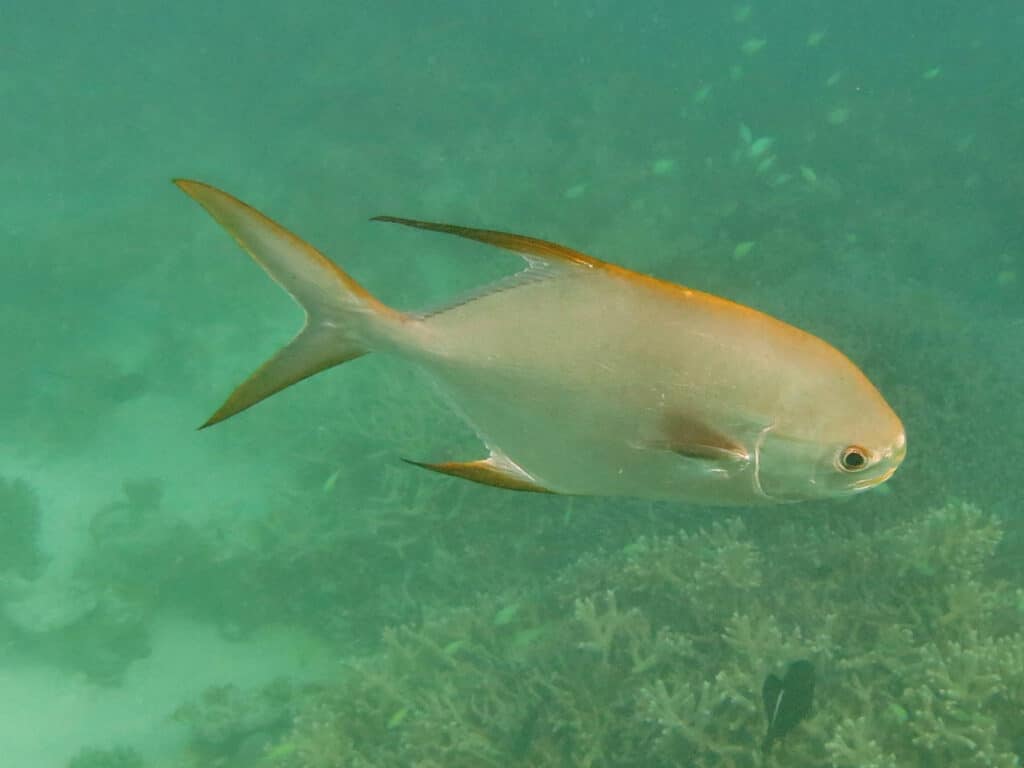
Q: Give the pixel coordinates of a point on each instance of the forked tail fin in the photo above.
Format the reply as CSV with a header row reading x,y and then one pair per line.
x,y
342,319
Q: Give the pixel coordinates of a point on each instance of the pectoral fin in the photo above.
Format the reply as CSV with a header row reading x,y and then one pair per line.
x,y
494,470
694,438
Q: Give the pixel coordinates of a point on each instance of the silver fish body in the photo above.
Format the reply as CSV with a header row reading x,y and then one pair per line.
x,y
582,377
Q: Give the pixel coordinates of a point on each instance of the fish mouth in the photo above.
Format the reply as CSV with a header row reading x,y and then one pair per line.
x,y
871,482
893,457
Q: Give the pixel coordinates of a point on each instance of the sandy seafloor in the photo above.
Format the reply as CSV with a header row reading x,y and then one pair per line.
x,y
49,714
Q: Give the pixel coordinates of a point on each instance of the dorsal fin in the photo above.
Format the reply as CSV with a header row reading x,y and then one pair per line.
x,y
532,248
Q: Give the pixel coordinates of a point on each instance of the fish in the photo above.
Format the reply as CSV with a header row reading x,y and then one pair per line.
x,y
582,377
760,147
787,700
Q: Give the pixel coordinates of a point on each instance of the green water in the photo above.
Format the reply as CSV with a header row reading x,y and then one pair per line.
x,y
281,591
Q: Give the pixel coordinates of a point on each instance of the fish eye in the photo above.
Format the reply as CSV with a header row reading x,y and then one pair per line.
x,y
853,458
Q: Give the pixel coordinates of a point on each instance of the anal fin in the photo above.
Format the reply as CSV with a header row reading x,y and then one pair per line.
x,y
494,470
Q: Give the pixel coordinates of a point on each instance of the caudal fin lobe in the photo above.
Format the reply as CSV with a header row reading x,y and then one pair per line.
x,y
342,319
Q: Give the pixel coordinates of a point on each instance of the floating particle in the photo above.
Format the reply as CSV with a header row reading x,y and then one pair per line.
x,y
931,74
524,638
761,146
396,719
741,13
833,79
701,94
663,166
767,164
814,38
575,192
838,115
506,615
808,174
964,143
753,45
331,481
453,647
746,136
742,249
895,712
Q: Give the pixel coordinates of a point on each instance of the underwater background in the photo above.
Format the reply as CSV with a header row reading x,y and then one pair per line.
x,y
283,592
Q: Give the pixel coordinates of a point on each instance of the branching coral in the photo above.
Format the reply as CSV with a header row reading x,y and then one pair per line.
x,y
231,727
117,757
655,657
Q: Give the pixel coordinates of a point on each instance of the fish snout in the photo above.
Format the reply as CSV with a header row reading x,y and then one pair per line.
x,y
899,450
